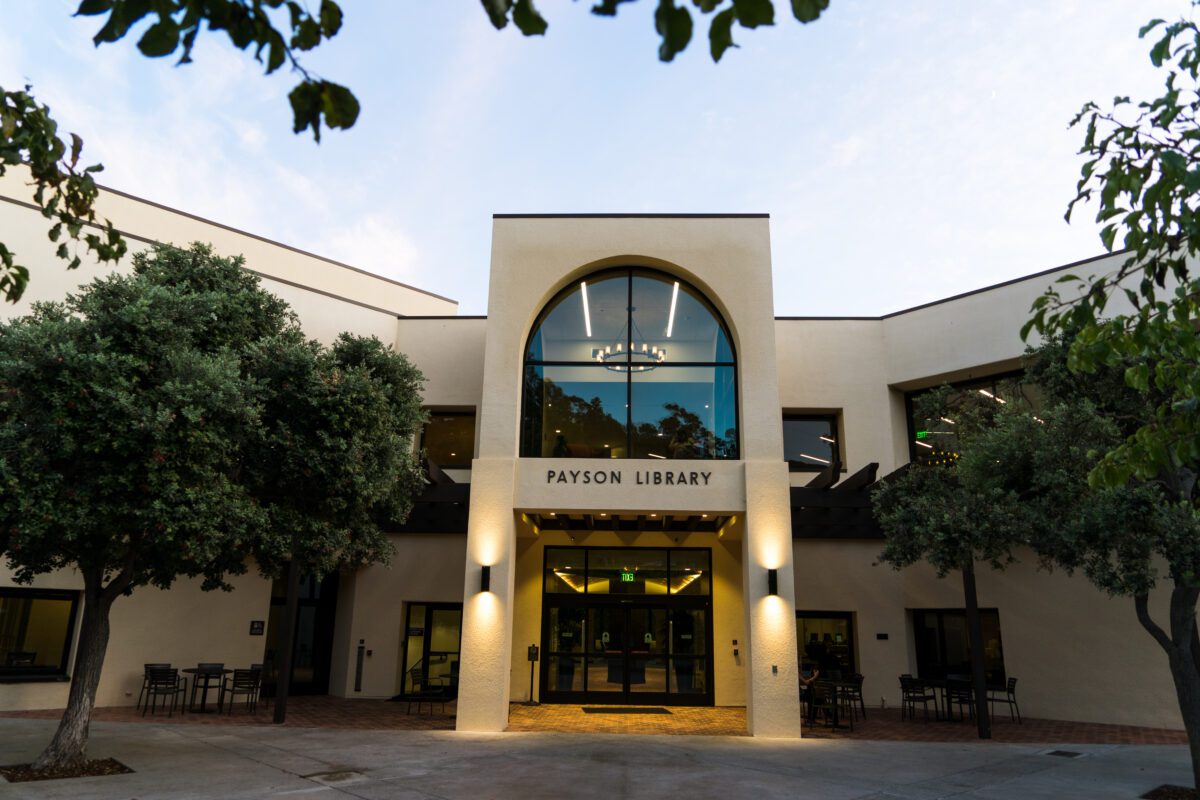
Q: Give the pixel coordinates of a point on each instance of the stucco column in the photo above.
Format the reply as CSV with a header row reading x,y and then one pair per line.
x,y
772,681
483,682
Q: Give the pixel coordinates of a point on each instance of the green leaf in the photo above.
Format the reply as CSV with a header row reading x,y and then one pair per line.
x,y
497,11
720,34
808,10
752,13
674,25
527,18
608,8
89,8
331,18
305,99
160,39
339,104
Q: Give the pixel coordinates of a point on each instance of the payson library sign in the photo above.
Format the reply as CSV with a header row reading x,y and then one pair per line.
x,y
634,464
640,477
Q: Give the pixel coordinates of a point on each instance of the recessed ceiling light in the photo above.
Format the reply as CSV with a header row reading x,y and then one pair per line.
x,y
654,515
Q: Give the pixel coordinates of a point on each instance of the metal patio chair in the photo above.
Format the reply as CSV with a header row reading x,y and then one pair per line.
x,y
146,680
245,682
423,692
912,691
167,684
1006,695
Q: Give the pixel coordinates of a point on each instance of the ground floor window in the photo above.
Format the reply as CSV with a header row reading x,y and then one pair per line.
x,y
627,625
826,640
432,639
36,627
943,644
312,640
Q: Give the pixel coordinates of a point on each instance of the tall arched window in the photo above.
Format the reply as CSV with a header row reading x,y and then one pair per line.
x,y
629,363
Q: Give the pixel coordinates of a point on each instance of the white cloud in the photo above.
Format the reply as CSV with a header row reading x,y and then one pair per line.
x,y
374,243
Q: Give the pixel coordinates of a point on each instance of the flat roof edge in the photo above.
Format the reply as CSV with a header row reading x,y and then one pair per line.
x,y
264,239
631,216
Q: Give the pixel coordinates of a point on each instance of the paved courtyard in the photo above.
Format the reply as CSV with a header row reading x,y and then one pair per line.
x,y
174,761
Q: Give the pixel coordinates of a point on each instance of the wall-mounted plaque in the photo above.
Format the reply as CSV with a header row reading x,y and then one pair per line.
x,y
257,627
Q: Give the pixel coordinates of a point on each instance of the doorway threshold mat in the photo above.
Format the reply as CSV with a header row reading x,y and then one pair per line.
x,y
624,710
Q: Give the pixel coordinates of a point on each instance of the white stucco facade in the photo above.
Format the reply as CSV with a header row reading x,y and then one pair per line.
x,y
855,372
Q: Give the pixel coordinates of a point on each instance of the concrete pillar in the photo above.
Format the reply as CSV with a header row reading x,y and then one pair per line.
x,y
772,680
483,683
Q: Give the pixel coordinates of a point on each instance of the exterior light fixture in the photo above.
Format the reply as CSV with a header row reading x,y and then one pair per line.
x,y
485,578
772,582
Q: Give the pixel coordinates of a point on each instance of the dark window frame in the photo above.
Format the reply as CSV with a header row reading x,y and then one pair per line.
x,y
940,614
437,412
59,673
834,420
848,616
981,382
629,272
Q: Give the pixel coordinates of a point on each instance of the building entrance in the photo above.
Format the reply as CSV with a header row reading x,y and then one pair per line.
x,y
627,626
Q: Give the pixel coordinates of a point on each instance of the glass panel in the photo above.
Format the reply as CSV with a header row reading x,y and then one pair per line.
x,y
566,630
688,631
627,572
669,315
564,570
648,631
934,428
688,676
34,632
565,674
930,662
449,439
606,630
827,643
574,412
304,667
809,443
563,333
690,572
993,650
606,673
648,674
415,637
446,629
684,412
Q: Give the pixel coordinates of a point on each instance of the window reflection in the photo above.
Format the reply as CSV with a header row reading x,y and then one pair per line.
x,y
933,439
629,363
810,442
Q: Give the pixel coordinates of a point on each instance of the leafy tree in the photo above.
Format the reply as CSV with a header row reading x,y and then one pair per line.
x,y
122,412
177,423
278,32
1142,172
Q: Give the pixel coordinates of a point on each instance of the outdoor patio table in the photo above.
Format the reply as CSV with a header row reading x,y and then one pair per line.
x,y
203,680
838,688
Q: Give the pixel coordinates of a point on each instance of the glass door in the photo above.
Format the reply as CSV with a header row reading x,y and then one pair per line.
x,y
432,639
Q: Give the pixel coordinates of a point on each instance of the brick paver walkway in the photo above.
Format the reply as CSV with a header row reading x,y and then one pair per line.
x,y
881,725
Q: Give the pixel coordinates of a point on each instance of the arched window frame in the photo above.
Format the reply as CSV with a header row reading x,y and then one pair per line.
x,y
629,273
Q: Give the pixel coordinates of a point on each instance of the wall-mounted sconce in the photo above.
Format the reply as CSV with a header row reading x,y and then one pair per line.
x,y
485,579
772,581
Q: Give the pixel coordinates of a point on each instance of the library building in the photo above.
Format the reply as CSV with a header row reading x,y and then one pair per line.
x,y
637,470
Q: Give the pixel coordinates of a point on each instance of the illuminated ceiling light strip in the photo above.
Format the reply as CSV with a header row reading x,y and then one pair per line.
x,y
947,420
918,441
814,458
655,455
587,315
671,316
826,439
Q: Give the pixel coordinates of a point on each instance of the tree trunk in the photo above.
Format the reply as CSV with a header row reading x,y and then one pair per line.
x,y
983,719
287,642
1181,650
68,748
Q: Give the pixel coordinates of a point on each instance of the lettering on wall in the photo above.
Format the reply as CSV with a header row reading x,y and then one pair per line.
x,y
639,477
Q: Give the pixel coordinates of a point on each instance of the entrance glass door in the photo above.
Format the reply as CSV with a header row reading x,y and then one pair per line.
x,y
432,640
607,646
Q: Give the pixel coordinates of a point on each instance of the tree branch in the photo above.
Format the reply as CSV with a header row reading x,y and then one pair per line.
x,y
1141,604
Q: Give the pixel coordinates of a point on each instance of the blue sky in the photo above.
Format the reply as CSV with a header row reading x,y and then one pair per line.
x,y
906,151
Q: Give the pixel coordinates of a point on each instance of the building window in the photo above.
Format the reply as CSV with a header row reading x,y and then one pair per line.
x,y
630,363
943,644
448,438
932,439
826,641
810,442
36,626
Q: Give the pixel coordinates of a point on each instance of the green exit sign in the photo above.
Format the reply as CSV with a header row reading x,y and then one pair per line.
x,y
628,577
922,434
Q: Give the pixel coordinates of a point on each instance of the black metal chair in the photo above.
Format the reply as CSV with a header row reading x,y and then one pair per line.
x,y
1009,696
822,699
245,682
912,691
962,694
424,692
165,683
146,680
854,695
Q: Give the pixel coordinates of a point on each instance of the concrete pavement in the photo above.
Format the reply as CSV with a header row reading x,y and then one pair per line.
x,y
176,761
